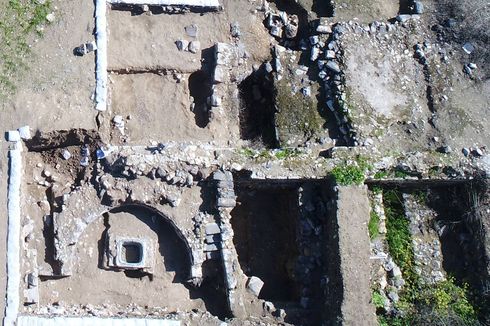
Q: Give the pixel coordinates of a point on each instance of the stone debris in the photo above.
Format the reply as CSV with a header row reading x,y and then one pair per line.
x,y
254,285
282,24
182,45
25,132
191,30
65,154
194,46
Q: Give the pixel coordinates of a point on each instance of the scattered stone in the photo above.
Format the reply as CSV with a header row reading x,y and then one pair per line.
x,y
65,154
191,30
50,17
194,46
25,132
254,285
235,29
468,48
306,91
182,45
269,307
465,151
446,149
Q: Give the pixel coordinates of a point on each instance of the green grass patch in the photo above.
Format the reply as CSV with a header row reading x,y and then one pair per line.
x,y
346,175
381,175
19,19
373,225
398,236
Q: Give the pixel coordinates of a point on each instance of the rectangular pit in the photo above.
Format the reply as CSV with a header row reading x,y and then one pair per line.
x,y
281,235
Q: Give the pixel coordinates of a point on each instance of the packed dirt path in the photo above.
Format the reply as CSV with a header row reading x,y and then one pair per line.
x,y
352,218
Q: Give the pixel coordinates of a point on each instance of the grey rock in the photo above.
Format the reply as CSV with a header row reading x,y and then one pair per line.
x,y
418,8
235,29
276,31
403,18
468,48
254,285
182,44
65,154
332,65
194,46
465,151
315,53
393,296
191,30
212,228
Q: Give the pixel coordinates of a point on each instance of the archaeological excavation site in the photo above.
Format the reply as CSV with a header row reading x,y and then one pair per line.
x,y
245,162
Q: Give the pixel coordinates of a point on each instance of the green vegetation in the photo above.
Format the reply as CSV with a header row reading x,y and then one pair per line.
x,y
297,117
351,174
378,299
381,174
19,19
399,238
373,225
346,175
401,174
265,154
443,303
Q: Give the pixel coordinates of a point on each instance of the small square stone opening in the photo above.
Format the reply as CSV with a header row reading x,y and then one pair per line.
x,y
132,252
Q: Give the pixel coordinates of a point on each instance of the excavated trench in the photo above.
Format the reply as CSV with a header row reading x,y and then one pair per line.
x,y
257,109
281,236
459,210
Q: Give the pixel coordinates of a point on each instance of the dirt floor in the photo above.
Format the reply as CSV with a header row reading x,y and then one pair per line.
x,y
165,288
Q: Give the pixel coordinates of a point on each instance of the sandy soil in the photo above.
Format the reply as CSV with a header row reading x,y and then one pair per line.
x,y
148,42
56,91
366,11
159,107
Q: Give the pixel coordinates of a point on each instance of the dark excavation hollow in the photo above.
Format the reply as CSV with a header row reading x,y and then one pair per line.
x,y
405,7
271,230
132,252
264,223
257,109
200,88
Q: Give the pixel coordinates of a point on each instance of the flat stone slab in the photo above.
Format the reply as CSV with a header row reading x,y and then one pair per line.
x,y
93,321
190,3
